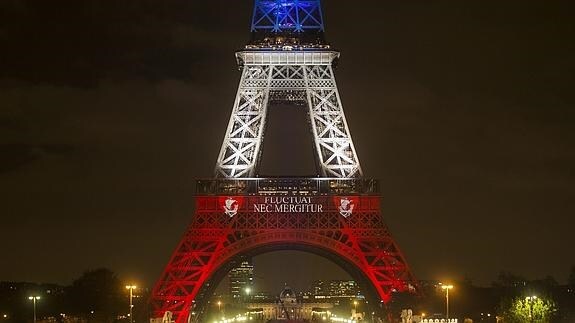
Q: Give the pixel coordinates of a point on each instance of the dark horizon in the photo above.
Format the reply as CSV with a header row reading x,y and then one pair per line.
x,y
465,113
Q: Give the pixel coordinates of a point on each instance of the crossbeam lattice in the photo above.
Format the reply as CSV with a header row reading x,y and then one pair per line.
x,y
241,149
287,16
213,239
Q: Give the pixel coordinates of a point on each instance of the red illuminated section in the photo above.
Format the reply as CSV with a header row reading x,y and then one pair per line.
x,y
349,227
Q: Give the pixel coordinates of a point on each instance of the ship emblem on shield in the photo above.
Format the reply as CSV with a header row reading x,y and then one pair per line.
x,y
231,207
345,207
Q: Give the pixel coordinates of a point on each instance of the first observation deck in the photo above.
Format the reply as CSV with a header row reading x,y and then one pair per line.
x,y
288,186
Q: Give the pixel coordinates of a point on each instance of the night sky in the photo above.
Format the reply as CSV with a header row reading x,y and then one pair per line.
x,y
465,110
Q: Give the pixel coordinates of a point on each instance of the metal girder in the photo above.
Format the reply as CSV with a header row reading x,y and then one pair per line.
x,y
214,239
283,74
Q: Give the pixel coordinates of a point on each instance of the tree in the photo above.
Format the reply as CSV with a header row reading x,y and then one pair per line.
x,y
96,294
507,280
522,310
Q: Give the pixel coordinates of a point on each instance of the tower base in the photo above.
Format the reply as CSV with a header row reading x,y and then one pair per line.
x,y
339,219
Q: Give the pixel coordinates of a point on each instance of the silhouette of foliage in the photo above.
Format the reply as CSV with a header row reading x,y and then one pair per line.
x,y
97,295
522,310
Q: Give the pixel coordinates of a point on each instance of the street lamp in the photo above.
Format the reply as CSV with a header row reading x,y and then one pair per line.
x,y
354,312
530,300
34,299
248,291
220,306
447,288
131,288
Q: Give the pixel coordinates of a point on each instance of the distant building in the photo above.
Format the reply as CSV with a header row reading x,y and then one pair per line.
x,y
289,307
241,279
343,289
334,289
25,288
319,287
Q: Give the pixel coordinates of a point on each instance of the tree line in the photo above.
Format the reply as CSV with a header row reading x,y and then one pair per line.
x,y
96,296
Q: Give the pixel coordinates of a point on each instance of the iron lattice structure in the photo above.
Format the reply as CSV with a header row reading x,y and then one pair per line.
x,y
287,16
275,214
336,215
287,76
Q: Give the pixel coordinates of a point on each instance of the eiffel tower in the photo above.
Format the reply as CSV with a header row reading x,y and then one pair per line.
x,y
240,213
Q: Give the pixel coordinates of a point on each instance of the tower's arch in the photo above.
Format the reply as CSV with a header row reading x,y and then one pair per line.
x,y
282,213
354,271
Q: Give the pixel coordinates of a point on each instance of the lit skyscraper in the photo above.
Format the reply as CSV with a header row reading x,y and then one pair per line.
x,y
241,279
335,289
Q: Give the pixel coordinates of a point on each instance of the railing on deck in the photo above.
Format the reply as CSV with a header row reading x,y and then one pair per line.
x,y
288,186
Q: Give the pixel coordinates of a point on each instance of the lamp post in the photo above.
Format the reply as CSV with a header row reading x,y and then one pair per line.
x,y
131,288
530,300
354,311
447,288
219,306
248,291
34,299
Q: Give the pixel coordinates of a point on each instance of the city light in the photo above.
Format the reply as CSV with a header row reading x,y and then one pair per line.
x,y
34,299
237,318
131,288
340,319
530,300
248,291
446,288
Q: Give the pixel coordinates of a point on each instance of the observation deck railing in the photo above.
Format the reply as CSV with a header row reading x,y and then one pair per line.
x,y
310,186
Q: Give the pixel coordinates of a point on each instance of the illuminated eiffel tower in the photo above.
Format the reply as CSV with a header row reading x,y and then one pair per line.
x,y
241,214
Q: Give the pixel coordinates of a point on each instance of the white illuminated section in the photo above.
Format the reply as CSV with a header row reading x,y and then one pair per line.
x,y
286,74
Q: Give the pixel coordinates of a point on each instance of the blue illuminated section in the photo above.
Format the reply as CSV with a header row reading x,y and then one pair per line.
x,y
287,16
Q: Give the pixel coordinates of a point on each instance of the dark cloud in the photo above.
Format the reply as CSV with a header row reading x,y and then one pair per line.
x,y
15,156
76,43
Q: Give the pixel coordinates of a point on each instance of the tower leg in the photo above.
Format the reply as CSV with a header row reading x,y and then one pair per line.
x,y
241,148
335,149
